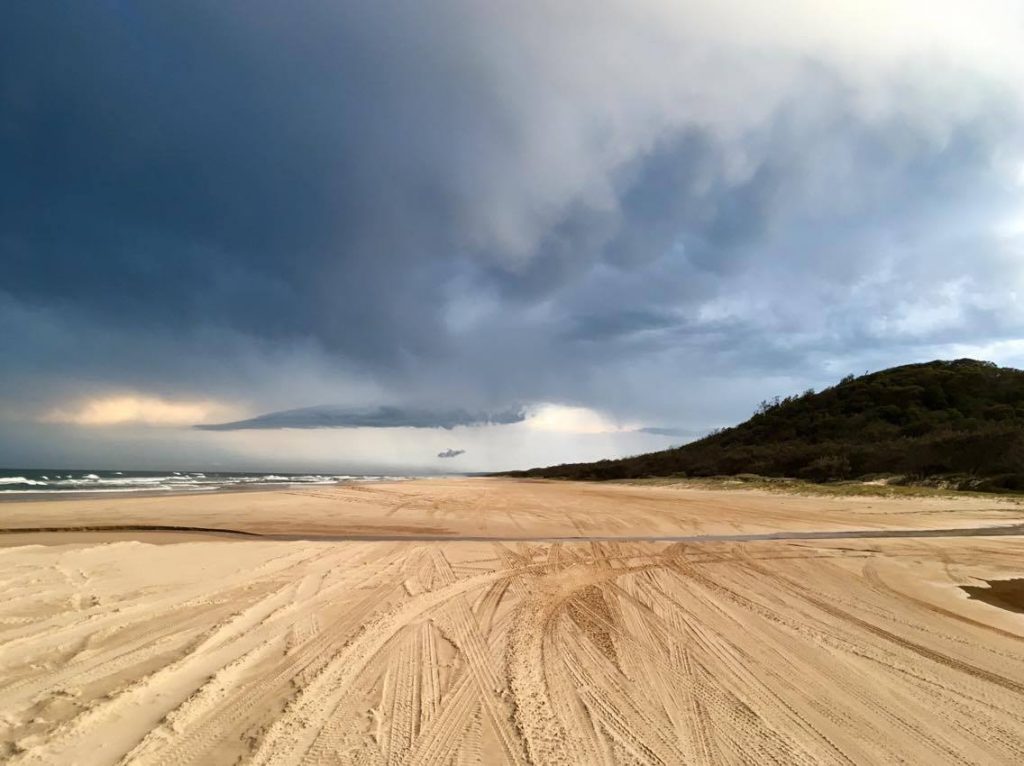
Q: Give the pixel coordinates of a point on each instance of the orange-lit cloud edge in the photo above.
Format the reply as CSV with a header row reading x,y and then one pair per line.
x,y
137,409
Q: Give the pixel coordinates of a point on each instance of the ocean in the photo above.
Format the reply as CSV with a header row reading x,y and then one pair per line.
x,y
55,480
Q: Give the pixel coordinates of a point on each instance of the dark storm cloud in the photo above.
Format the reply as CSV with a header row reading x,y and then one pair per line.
x,y
460,205
178,166
378,417
449,453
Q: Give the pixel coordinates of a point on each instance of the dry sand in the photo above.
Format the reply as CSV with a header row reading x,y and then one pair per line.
x,y
212,650
502,508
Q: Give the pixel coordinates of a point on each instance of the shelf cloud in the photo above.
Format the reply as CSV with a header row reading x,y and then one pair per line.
x,y
377,417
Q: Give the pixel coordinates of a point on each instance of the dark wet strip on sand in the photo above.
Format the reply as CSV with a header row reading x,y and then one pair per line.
x,y
861,534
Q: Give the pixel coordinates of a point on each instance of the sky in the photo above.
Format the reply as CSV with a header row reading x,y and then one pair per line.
x,y
472,236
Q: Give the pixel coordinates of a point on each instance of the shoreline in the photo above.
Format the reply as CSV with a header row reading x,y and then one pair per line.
x,y
13,496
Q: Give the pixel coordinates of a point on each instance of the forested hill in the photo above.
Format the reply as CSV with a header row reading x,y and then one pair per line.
x,y
961,419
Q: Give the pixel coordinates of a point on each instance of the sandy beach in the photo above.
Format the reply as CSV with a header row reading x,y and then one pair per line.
x,y
482,621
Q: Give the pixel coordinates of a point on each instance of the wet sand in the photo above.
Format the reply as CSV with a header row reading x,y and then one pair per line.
x,y
206,648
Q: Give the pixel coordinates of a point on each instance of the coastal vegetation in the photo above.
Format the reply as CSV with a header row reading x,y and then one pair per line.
x,y
956,423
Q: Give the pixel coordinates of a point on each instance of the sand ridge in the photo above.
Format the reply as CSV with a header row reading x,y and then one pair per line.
x,y
411,652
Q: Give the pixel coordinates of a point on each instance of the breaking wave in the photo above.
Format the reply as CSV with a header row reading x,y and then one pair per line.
x,y
51,481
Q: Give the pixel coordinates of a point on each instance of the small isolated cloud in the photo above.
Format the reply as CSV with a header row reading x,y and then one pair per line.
x,y
451,453
137,410
377,417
